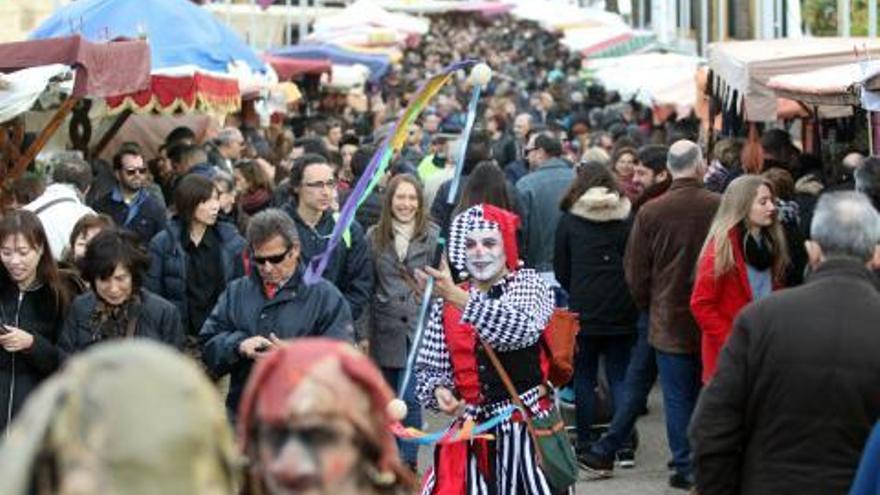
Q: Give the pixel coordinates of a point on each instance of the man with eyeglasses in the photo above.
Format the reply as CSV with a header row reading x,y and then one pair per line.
x,y
313,191
129,203
272,304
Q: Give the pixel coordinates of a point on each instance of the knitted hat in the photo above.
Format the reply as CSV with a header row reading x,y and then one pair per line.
x,y
483,217
322,377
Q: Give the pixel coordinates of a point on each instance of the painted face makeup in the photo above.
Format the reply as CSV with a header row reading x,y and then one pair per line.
x,y
485,254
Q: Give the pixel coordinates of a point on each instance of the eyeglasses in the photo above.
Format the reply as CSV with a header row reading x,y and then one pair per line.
x,y
136,171
275,259
321,184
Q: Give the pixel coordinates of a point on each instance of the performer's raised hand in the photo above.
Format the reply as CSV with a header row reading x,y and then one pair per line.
x,y
444,286
447,401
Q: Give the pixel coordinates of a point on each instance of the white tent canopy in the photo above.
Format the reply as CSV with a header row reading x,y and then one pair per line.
x,y
558,16
653,79
745,67
20,90
850,84
367,13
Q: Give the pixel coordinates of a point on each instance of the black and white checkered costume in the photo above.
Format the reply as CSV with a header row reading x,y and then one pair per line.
x,y
512,315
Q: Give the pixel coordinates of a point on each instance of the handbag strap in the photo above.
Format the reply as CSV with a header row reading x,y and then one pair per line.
x,y
511,390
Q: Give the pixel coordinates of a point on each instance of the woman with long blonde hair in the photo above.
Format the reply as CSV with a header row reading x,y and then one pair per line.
x,y
743,259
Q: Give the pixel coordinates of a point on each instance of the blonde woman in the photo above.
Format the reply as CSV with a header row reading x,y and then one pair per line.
x,y
743,259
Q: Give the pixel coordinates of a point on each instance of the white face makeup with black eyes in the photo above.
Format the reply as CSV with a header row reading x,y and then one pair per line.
x,y
485,254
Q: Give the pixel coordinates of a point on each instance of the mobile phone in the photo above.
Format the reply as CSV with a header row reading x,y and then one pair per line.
x,y
4,329
262,348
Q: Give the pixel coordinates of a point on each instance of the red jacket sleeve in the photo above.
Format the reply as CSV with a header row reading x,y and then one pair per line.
x,y
706,297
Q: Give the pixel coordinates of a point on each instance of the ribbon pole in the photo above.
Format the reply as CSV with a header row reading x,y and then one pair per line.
x,y
478,71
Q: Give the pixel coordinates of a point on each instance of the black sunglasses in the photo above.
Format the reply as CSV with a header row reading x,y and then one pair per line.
x,y
275,259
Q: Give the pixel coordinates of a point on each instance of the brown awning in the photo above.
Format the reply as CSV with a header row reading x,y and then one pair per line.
x,y
102,69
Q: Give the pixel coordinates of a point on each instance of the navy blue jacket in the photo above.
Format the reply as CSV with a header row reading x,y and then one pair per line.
x,y
167,274
243,311
148,220
350,268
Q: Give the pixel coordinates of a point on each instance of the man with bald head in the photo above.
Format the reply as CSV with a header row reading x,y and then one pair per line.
x,y
661,255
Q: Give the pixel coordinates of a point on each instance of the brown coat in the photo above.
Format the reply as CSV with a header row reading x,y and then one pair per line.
x,y
661,259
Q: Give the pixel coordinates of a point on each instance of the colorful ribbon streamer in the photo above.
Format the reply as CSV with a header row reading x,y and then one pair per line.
x,y
379,163
458,431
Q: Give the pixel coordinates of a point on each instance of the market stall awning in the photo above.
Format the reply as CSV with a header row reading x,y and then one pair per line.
x,y
368,13
378,64
181,92
663,78
849,84
102,69
288,68
742,69
180,33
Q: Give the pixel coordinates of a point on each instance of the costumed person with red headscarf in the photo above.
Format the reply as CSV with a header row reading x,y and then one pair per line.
x,y
314,419
507,308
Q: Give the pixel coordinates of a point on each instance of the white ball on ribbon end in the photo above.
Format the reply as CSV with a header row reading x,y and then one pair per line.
x,y
397,409
481,74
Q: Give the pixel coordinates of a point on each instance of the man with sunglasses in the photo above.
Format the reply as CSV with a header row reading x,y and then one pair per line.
x,y
272,304
129,203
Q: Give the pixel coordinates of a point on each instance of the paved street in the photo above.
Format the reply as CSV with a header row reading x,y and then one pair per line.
x,y
647,478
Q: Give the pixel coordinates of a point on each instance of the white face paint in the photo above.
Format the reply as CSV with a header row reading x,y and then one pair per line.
x,y
485,254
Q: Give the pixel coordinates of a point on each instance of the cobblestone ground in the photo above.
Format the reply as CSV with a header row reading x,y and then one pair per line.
x,y
650,475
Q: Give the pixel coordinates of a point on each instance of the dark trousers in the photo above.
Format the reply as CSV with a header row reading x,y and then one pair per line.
x,y
409,451
615,349
640,376
680,381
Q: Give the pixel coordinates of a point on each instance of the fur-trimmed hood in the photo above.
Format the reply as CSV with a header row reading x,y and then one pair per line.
x,y
600,205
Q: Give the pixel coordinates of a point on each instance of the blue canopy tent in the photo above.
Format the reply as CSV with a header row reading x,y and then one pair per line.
x,y
179,32
378,64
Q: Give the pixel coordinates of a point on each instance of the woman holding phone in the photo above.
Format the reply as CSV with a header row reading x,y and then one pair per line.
x,y
33,302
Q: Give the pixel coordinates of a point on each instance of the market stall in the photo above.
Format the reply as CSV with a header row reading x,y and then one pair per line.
x,y
67,71
740,70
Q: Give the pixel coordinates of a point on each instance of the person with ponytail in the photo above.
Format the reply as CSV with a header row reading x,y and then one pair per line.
x,y
743,259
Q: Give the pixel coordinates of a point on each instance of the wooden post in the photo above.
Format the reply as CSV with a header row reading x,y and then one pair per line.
x,y
110,134
43,138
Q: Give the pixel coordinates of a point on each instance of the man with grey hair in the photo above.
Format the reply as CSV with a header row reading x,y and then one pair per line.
x,y
661,256
795,394
61,204
229,145
271,304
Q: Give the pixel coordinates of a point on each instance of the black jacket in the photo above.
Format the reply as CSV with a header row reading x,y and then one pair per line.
x,y
37,313
297,310
350,268
149,219
588,263
167,274
796,392
158,320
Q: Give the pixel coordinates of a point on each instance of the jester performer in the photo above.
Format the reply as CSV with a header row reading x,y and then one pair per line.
x,y
507,307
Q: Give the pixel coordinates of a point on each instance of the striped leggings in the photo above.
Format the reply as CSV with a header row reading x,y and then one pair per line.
x,y
504,466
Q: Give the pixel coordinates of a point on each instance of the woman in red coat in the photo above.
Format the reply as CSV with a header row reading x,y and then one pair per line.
x,y
744,258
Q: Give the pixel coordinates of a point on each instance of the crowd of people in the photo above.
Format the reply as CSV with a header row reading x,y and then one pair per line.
x,y
748,288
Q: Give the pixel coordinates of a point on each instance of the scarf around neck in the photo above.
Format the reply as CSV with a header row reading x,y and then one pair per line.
x,y
111,322
403,234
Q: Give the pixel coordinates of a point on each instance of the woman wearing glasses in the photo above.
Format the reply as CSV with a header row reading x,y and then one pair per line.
x,y
117,307
196,256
